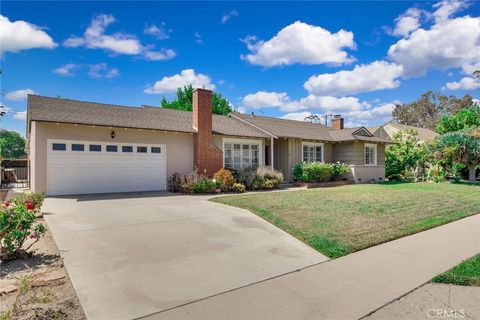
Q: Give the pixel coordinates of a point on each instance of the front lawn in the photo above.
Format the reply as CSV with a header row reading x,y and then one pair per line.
x,y
338,221
466,273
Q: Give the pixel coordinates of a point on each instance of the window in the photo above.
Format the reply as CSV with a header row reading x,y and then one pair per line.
x,y
156,150
127,149
59,146
370,154
241,154
312,152
112,148
95,147
142,149
78,147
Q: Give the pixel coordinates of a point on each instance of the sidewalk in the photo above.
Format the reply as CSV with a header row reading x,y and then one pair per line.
x,y
346,288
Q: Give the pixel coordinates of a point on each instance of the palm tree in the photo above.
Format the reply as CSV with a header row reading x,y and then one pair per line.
x,y
461,146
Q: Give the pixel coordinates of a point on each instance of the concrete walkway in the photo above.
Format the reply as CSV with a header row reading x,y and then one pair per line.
x,y
434,301
346,288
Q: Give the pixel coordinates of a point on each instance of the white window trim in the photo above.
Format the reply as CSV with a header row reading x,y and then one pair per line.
x,y
375,156
316,144
243,141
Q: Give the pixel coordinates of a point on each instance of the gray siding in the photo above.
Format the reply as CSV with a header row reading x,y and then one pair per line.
x,y
348,152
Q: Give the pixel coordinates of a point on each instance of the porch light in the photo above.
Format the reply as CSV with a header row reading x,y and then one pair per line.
x,y
112,134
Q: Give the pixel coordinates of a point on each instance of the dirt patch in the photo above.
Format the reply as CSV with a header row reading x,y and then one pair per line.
x,y
38,285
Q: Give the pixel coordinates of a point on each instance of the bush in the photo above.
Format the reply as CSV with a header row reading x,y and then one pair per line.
x,y
339,170
238,187
17,218
395,177
225,179
316,172
435,173
457,169
175,182
36,198
249,177
260,178
297,170
205,185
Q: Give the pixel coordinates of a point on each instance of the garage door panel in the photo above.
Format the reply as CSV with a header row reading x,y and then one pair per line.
x,y
77,172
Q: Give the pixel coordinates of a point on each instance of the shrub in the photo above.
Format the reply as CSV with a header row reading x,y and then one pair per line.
x,y
205,185
316,171
17,218
457,169
238,187
297,170
189,180
249,177
339,170
175,182
395,177
435,173
256,178
224,179
36,198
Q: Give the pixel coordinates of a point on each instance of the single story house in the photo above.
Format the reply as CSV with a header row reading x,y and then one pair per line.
x,y
78,147
389,129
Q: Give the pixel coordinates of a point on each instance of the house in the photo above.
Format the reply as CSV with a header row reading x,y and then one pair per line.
x,y
389,129
80,147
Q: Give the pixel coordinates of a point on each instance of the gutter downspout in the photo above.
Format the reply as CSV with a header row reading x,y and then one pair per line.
x,y
272,136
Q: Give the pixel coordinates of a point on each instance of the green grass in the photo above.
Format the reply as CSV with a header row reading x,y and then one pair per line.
x,y
340,220
466,273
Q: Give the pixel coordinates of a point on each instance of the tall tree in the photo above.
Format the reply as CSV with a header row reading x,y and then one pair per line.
x,y
220,105
461,146
465,118
313,118
427,111
12,144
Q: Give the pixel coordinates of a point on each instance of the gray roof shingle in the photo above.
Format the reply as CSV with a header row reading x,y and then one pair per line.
x,y
61,110
81,112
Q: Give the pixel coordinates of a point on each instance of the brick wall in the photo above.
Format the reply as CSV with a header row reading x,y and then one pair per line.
x,y
207,158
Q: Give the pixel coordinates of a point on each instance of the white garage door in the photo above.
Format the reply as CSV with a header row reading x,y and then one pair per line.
x,y
82,167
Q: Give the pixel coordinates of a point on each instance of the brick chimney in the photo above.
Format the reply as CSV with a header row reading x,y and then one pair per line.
x,y
207,158
337,122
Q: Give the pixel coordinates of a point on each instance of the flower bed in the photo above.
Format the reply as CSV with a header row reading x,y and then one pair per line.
x,y
18,223
224,180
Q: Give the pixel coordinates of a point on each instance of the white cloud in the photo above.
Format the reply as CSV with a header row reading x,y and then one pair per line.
x,y
198,38
228,16
18,95
451,44
94,37
241,110
446,8
21,115
162,54
300,43
263,99
381,113
299,116
21,35
159,32
101,70
466,83
407,22
363,78
66,70
185,78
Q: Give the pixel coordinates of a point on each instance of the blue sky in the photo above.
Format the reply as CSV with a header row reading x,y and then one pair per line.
x,y
282,59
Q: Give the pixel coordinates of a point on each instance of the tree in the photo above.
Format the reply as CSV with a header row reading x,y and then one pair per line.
x,y
407,156
465,118
12,144
461,146
314,118
427,111
220,105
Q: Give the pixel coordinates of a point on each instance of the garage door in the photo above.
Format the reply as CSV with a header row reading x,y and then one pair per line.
x,y
82,167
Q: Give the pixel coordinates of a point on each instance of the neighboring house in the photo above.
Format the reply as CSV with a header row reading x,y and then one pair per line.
x,y
80,147
389,129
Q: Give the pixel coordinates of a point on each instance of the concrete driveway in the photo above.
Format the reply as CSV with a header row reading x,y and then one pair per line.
x,y
132,255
